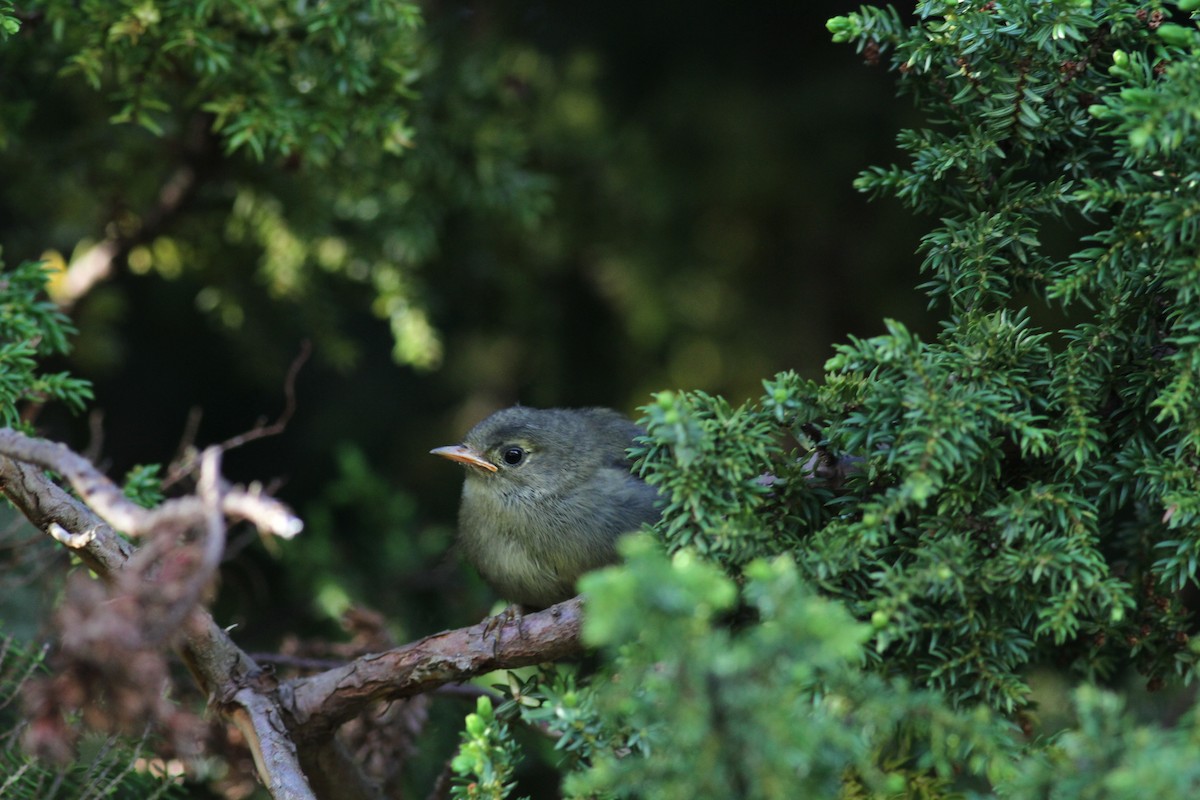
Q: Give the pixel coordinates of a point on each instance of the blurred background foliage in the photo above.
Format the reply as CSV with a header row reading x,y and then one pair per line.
x,y
470,206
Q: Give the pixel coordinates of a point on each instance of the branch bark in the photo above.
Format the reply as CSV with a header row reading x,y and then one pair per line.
x,y
320,703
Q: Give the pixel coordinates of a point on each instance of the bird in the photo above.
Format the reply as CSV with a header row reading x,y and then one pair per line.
x,y
546,495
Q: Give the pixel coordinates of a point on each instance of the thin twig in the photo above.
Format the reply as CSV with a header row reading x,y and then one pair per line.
x,y
185,463
289,405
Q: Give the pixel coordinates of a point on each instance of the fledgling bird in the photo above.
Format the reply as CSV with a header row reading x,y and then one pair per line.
x,y
546,495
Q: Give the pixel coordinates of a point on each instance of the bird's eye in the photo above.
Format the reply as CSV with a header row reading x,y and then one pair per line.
x,y
513,456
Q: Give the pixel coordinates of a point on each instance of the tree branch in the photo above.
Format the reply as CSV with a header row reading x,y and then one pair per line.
x,y
220,667
289,726
320,703
106,498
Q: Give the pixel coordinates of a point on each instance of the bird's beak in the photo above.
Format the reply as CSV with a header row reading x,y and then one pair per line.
x,y
465,455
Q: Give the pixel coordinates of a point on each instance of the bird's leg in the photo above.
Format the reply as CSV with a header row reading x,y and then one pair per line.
x,y
494,625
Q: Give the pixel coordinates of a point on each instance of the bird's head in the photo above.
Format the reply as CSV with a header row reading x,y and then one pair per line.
x,y
544,449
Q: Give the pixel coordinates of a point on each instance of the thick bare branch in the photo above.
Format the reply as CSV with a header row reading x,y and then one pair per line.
x,y
47,506
320,703
275,755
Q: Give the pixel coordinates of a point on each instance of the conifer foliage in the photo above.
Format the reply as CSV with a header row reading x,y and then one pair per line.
x,y
1029,489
